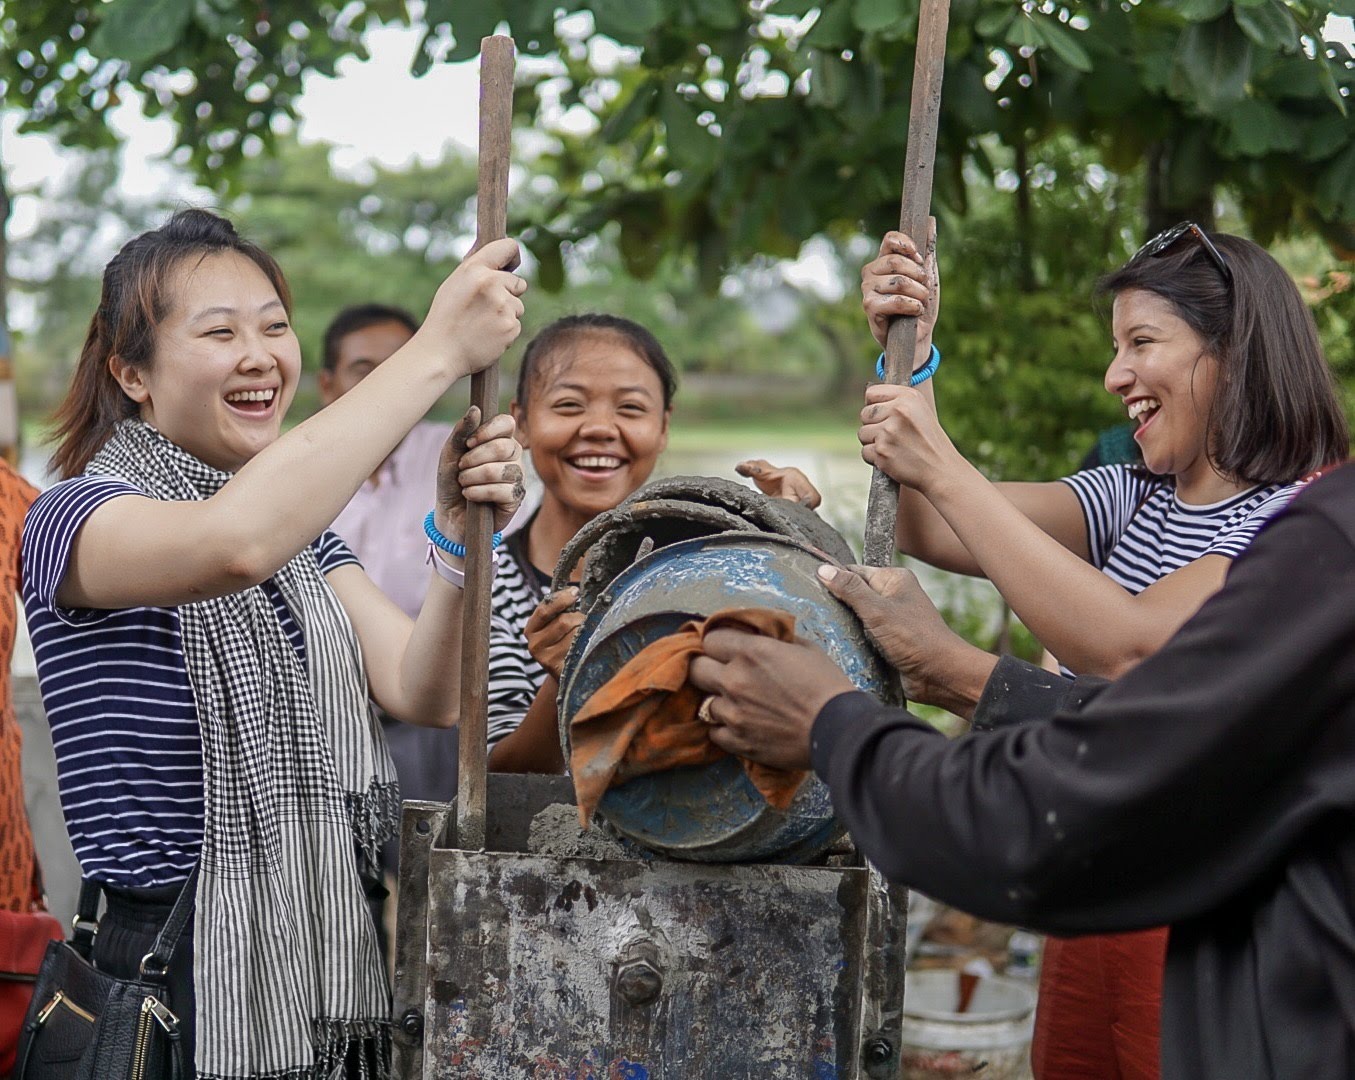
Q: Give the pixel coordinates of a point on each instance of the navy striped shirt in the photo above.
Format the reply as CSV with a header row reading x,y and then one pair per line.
x,y
116,691
1139,531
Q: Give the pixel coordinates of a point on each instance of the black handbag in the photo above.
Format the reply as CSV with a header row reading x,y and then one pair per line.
x,y
84,1024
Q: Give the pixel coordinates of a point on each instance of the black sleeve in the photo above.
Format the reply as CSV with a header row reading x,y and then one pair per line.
x,y
1017,693
1163,795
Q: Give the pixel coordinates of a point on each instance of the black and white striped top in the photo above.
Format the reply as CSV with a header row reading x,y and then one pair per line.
x,y
116,691
514,677
1139,531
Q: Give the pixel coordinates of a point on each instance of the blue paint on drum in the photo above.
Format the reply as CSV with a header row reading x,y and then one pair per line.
x,y
713,813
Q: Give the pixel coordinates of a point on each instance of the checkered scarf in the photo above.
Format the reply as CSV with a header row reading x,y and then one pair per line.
x,y
287,973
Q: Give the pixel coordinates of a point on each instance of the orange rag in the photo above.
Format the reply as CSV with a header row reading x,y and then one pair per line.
x,y
643,719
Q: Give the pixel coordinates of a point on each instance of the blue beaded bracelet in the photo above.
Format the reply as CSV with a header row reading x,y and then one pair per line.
x,y
451,547
921,375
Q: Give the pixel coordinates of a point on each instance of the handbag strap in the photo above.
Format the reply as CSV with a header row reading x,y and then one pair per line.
x,y
168,938
86,922
155,962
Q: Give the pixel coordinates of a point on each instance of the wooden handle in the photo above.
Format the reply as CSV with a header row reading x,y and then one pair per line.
x,y
496,131
918,169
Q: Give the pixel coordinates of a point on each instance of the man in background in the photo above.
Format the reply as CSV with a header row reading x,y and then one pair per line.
x,y
383,524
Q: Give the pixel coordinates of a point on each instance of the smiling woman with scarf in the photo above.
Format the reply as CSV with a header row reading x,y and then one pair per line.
x,y
207,649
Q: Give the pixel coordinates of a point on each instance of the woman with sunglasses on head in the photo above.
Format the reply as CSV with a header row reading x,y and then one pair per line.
x,y
1217,361
207,648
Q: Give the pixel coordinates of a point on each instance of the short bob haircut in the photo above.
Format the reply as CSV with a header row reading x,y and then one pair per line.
x,y
1275,416
564,333
139,289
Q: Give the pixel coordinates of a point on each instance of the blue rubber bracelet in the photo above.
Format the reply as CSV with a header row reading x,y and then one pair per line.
x,y
921,375
451,547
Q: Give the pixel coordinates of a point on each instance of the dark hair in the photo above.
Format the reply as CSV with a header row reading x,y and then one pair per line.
x,y
134,300
564,332
358,317
1275,416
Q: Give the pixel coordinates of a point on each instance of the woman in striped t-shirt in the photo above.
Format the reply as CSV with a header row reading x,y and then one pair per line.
x,y
1218,362
207,649
593,402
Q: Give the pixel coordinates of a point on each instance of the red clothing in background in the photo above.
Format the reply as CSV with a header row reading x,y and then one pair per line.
x,y
1100,1003
16,839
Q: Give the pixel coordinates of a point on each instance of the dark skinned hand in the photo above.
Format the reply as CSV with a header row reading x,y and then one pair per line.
x,y
787,483
551,628
766,694
938,667
479,463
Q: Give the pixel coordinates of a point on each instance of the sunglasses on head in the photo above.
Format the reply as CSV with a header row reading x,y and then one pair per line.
x,y
1167,239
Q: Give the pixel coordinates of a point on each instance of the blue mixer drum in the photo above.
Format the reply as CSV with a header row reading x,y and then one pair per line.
x,y
712,813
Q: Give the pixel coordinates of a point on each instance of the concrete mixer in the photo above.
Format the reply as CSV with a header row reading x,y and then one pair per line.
x,y
694,931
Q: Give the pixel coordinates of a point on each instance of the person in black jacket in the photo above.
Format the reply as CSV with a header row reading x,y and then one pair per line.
x,y
1212,787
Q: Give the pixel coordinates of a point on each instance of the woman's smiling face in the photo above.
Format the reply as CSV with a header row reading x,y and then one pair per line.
x,y
225,365
1166,377
595,422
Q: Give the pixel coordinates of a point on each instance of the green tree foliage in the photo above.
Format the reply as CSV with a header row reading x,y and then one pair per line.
x,y
687,141
1026,342
736,128
740,127
389,236
60,269
1332,294
225,70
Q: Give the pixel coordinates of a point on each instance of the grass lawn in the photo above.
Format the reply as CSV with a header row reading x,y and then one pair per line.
x,y
813,432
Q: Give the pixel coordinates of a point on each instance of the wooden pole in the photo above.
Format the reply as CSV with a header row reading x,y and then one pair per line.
x,y
496,130
919,166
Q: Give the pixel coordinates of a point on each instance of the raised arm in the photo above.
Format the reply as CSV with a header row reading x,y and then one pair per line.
x,y
414,666
902,280
289,492
1088,621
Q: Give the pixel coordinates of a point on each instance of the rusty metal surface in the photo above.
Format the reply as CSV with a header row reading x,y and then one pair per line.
x,y
588,968
421,825
644,516
712,812
681,508
559,952
627,541
764,513
506,968
884,969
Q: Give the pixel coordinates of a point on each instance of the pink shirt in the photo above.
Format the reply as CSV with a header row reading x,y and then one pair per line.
x,y
383,523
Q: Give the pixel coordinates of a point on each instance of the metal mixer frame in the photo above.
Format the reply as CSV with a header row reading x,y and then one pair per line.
x,y
547,954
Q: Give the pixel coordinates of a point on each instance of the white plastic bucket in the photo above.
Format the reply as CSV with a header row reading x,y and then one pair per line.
x,y
990,1040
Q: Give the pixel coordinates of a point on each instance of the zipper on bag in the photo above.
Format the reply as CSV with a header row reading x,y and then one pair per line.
x,y
143,1036
59,998
152,1009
